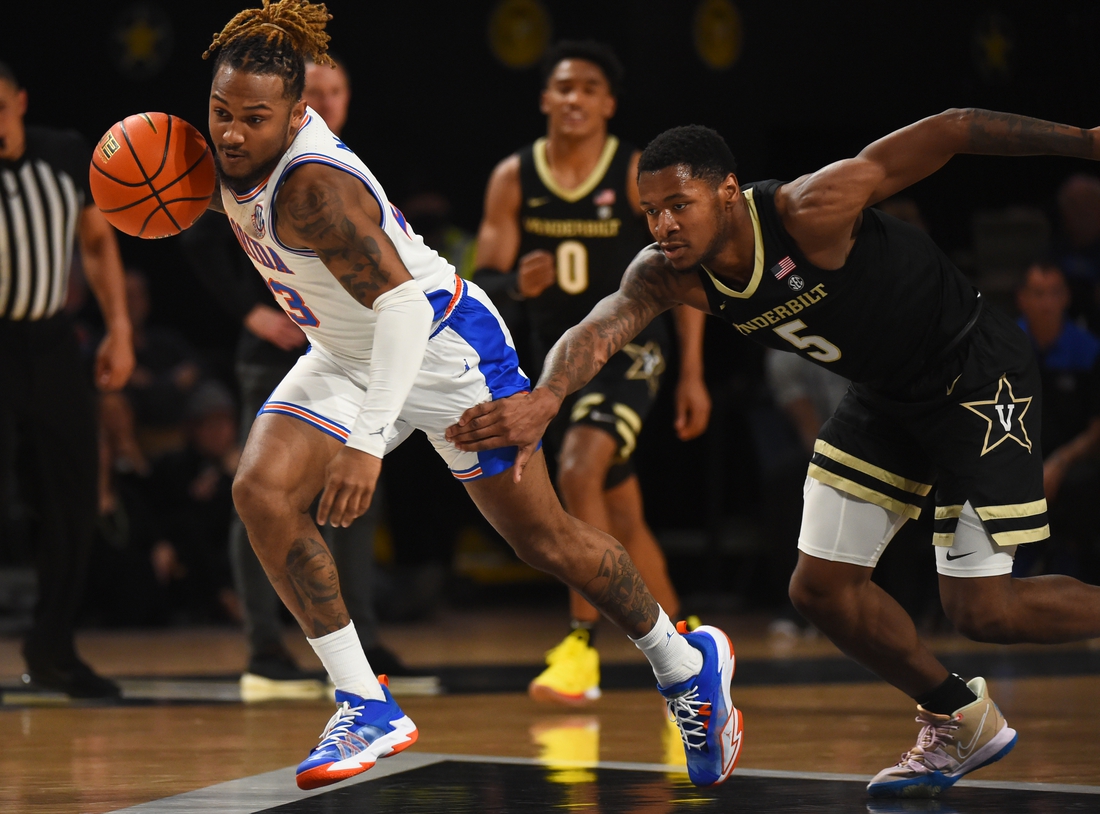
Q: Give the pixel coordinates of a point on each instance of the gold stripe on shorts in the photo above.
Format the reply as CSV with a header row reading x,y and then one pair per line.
x,y
863,492
1007,538
948,512
897,481
1012,510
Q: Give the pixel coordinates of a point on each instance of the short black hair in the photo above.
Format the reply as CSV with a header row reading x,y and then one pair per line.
x,y
699,148
597,53
8,75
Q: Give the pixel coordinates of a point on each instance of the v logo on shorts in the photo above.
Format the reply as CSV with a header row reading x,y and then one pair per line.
x,y
1003,420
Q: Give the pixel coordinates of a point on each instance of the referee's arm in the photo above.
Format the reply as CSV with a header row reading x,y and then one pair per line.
x,y
114,361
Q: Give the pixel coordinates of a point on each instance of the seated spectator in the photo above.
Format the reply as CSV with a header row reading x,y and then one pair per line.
x,y
1069,362
191,493
165,537
166,373
1077,248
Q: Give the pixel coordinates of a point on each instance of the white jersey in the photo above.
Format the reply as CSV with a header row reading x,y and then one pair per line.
x,y
331,318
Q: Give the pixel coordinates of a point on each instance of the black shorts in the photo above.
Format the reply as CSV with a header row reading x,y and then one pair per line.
x,y
616,401
968,424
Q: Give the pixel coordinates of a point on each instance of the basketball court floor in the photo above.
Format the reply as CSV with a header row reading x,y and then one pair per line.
x,y
816,728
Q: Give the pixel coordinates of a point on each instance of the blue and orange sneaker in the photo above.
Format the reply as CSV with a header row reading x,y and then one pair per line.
x,y
710,725
361,731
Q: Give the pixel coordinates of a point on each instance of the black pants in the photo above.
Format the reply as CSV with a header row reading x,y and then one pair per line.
x,y
48,439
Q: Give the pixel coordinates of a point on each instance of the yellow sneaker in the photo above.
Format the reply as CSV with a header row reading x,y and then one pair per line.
x,y
572,675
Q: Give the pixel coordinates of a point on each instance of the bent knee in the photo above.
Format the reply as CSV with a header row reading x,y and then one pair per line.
x,y
820,588
254,497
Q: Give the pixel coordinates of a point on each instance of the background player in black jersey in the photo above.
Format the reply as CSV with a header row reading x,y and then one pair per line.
x,y
567,207
942,390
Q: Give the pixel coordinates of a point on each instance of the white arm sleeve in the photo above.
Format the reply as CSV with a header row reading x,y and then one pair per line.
x,y
400,338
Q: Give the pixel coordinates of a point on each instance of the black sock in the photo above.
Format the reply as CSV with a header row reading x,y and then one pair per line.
x,y
951,695
589,627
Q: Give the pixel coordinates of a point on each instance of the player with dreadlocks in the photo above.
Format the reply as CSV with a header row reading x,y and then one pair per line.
x,y
398,342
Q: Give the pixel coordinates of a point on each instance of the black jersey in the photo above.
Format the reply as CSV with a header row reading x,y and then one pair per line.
x,y
592,231
880,319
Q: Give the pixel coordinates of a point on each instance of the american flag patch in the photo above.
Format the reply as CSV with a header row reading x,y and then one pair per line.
x,y
783,268
605,197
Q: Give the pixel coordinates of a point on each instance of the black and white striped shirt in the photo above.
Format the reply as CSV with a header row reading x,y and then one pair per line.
x,y
41,199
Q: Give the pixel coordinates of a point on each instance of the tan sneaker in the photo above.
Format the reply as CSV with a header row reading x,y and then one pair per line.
x,y
948,747
572,675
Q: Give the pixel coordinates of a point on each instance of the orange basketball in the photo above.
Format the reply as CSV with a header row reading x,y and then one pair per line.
x,y
152,175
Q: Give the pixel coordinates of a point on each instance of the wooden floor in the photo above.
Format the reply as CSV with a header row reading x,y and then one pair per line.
x,y
88,758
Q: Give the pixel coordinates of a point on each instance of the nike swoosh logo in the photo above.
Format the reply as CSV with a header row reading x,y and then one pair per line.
x,y
535,203
951,386
964,751
958,556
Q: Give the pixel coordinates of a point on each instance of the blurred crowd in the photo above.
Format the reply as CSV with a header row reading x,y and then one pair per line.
x,y
171,440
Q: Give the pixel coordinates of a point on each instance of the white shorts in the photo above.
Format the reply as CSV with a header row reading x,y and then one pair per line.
x,y
840,527
470,358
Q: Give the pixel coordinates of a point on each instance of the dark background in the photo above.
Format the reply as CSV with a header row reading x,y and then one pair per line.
x,y
434,109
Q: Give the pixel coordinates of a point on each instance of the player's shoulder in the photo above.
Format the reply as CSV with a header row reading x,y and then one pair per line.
x,y
507,169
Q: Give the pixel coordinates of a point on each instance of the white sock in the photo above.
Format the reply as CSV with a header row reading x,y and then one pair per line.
x,y
673,660
347,665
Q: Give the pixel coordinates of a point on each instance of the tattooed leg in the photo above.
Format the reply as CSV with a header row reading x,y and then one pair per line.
x,y
311,576
618,590
528,515
280,473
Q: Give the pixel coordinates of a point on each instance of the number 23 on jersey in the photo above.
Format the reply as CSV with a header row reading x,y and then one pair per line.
x,y
293,304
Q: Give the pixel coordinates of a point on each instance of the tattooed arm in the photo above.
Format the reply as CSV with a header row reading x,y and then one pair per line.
x,y
822,211
331,212
649,287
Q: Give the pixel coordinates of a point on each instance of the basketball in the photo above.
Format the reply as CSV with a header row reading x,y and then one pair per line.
x,y
152,175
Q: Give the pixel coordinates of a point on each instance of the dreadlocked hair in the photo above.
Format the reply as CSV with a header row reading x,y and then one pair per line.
x,y
275,39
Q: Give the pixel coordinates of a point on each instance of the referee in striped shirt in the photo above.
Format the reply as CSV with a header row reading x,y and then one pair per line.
x,y
47,405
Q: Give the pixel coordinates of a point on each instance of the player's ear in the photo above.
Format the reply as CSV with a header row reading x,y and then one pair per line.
x,y
610,105
730,188
544,106
297,113
21,101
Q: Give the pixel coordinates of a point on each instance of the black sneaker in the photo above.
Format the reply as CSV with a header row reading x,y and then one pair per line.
x,y
76,679
404,680
276,676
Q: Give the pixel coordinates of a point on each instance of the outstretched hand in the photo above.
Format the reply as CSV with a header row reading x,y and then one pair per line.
x,y
515,421
350,480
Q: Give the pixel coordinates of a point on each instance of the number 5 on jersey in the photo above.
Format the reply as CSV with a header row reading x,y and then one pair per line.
x,y
293,304
826,350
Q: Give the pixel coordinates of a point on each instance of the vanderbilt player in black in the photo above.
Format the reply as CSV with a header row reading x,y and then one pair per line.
x,y
567,207
944,391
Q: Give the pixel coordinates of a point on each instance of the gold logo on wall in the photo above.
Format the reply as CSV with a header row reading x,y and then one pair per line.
x,y
718,33
519,31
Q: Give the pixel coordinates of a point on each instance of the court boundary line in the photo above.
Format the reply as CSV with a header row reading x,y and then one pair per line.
x,y
277,787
